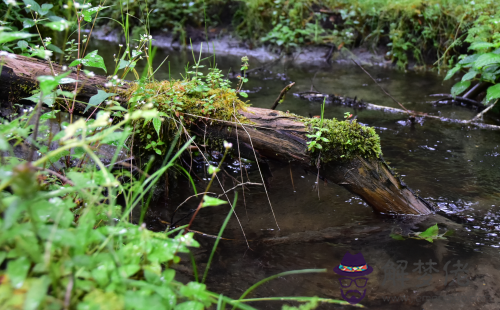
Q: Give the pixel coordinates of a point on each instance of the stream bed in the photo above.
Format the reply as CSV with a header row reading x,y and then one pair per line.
x,y
454,166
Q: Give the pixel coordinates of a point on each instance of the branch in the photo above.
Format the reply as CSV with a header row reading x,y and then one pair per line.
x,y
480,115
281,97
458,98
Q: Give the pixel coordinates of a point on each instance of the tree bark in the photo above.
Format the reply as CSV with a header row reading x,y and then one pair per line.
x,y
273,134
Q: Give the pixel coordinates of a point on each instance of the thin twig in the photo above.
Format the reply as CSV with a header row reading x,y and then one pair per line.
x,y
67,296
220,184
381,87
291,176
240,184
258,166
58,175
281,97
480,115
192,196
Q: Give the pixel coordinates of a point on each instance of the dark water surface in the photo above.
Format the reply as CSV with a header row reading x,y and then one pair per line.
x,y
453,166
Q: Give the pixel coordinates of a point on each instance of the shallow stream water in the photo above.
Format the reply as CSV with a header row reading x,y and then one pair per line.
x,y
452,165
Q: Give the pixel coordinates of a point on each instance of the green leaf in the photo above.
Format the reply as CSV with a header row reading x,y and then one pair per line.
x,y
48,99
91,60
430,232
190,305
480,45
45,9
212,202
486,60
48,83
397,237
28,23
17,270
34,5
459,88
12,36
23,45
212,169
469,75
452,72
36,294
493,92
243,94
59,25
98,99
87,14
157,125
469,59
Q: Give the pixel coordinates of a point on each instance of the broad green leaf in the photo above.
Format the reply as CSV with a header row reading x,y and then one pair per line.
x,y
45,8
243,94
59,25
36,294
48,99
94,60
98,99
54,48
486,60
212,202
480,45
493,92
12,36
459,88
48,83
430,232
23,45
17,270
34,6
469,75
452,72
28,23
469,59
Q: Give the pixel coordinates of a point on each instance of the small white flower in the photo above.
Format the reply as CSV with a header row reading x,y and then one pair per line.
x,y
64,68
28,6
120,45
227,145
65,6
11,2
91,74
108,84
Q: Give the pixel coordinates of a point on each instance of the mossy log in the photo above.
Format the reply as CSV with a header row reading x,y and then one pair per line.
x,y
273,134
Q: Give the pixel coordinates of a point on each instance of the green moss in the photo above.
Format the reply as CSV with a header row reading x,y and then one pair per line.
x,y
182,100
347,140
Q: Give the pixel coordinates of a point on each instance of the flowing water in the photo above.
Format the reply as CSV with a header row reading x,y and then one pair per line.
x,y
454,166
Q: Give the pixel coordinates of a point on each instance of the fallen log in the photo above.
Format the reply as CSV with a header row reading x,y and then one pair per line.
x,y
273,134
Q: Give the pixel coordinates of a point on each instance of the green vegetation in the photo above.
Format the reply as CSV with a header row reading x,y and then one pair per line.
x,y
346,139
430,234
67,236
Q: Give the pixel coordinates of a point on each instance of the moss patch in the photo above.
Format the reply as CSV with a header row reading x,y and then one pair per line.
x,y
347,140
186,100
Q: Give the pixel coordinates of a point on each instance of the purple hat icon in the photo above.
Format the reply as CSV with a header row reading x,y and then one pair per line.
x,y
353,266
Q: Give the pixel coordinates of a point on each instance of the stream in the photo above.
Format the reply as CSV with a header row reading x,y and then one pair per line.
x,y
451,165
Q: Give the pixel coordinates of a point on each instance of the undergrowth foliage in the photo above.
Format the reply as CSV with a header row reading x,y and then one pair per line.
x,y
65,240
